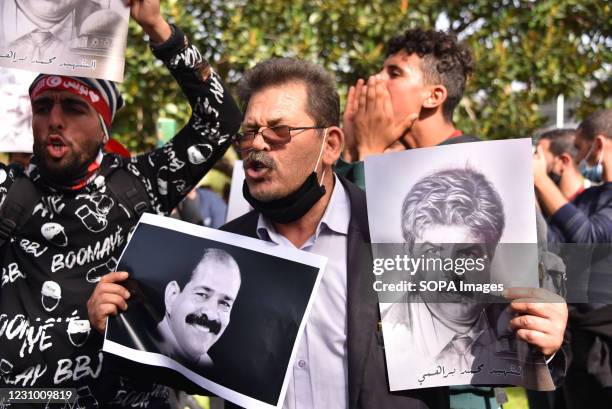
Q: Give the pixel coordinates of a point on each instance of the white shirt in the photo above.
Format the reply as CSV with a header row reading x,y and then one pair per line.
x,y
320,370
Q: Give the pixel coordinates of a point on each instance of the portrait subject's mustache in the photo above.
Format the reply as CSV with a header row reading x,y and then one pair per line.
x,y
213,326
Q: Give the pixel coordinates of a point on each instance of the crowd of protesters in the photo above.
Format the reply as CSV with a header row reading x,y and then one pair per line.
x,y
305,192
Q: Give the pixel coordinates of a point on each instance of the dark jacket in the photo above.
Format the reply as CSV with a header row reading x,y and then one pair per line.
x,y
367,379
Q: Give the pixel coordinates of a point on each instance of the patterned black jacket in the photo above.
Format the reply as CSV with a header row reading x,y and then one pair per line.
x,y
50,267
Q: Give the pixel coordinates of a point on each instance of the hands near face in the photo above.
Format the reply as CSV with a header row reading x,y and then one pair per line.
x,y
369,123
539,167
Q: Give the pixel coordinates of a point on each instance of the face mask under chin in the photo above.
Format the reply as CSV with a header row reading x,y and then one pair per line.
x,y
296,204
291,207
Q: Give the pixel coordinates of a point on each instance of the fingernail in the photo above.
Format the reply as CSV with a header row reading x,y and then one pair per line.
x,y
127,295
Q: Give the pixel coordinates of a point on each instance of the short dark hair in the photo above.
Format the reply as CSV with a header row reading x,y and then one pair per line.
x,y
323,100
561,141
209,255
460,196
598,123
444,61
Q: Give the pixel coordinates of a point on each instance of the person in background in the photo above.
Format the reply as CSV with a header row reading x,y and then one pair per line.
x,y
557,147
410,104
584,227
588,218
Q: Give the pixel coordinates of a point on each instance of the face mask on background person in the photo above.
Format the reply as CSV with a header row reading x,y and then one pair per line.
x,y
592,172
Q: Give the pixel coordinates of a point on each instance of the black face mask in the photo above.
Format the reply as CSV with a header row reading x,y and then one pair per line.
x,y
555,177
291,207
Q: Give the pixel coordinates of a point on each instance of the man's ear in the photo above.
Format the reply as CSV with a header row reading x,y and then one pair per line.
x,y
172,291
565,159
333,145
600,141
437,96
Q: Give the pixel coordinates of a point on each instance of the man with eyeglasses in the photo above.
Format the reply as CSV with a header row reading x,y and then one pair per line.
x,y
290,141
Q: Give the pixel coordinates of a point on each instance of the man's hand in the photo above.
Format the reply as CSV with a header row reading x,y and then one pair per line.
x,y
540,317
148,15
107,299
550,197
539,167
348,122
369,122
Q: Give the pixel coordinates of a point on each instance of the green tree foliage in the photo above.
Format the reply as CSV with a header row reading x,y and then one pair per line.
x,y
527,53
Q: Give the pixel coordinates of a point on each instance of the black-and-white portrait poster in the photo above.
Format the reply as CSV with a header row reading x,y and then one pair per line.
x,y
211,311
452,228
84,38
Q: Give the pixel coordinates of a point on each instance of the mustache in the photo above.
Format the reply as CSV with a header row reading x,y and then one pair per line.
x,y
259,157
202,319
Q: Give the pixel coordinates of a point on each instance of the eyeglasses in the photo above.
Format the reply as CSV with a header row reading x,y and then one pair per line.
x,y
274,136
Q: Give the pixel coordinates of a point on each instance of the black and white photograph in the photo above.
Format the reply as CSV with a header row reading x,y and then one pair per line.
x,y
84,38
212,312
471,203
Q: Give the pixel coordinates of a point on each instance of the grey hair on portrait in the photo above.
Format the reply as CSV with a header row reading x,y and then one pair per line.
x,y
455,196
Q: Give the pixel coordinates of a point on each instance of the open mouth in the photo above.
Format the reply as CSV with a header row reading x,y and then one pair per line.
x,y
56,146
256,169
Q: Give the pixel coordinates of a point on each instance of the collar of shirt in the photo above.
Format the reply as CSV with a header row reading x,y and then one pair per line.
x,y
336,218
444,335
61,30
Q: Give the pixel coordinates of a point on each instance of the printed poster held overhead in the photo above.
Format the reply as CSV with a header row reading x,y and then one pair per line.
x,y
84,38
